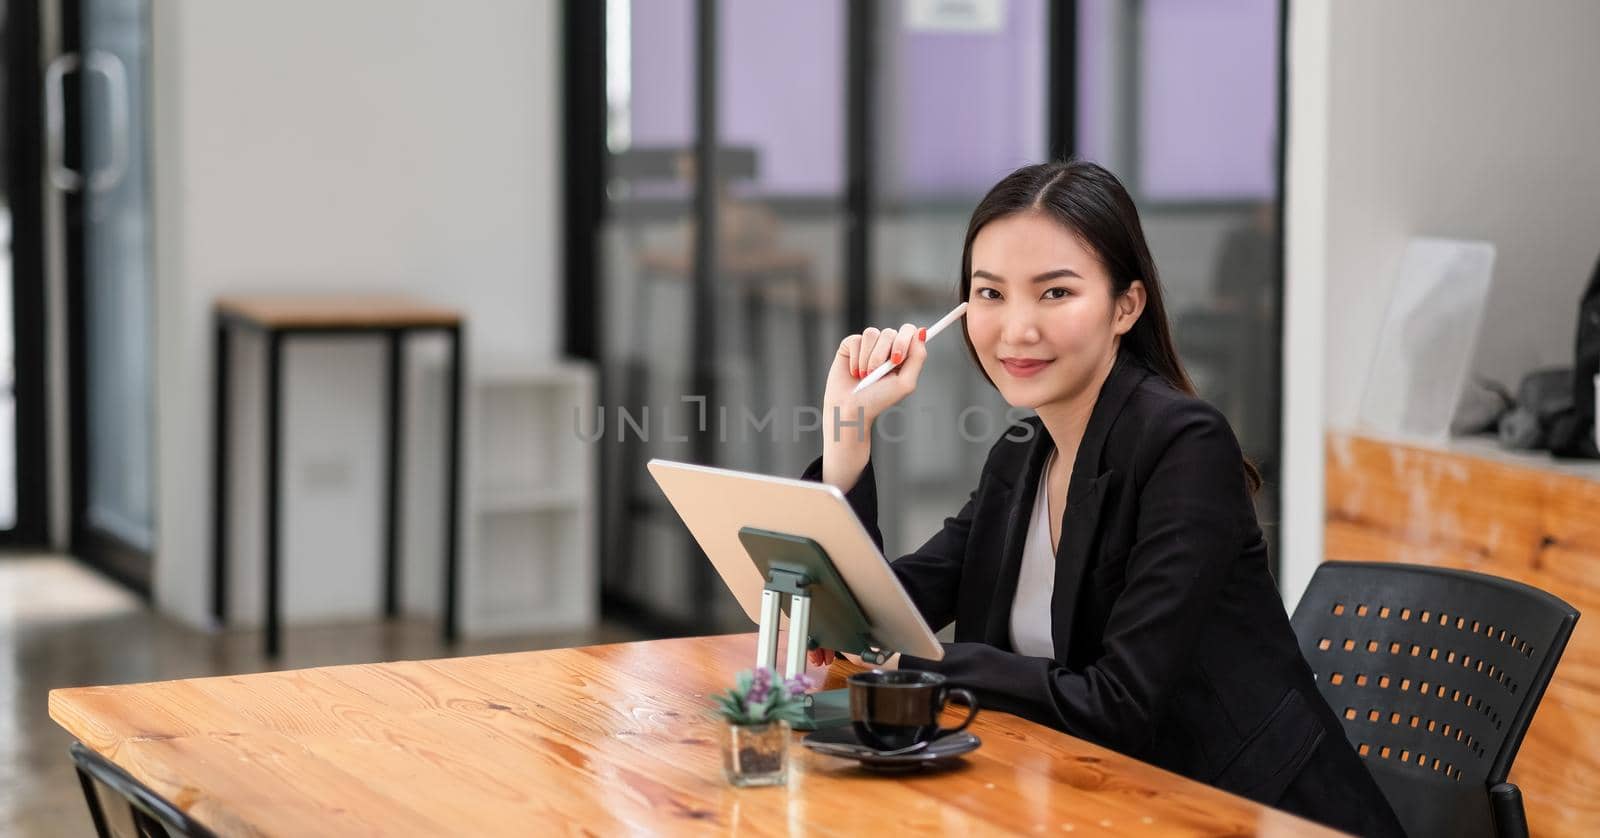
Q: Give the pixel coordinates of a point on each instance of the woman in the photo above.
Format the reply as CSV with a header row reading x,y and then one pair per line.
x,y
1107,577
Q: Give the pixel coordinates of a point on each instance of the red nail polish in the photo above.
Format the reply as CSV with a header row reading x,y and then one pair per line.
x,y
897,358
922,334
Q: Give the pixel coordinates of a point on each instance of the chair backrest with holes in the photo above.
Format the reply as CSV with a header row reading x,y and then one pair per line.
x,y
1436,674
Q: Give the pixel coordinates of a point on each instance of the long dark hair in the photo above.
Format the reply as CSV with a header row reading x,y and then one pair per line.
x,y
1091,202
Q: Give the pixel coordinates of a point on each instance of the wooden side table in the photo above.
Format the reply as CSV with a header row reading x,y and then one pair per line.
x,y
280,317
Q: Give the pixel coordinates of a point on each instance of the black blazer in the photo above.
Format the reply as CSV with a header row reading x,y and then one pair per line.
x,y
1171,640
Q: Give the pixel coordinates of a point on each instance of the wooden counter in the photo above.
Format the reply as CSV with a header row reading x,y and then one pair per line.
x,y
1470,508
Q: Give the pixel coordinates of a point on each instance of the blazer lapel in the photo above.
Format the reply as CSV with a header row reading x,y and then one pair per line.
x,y
1086,494
998,631
1078,527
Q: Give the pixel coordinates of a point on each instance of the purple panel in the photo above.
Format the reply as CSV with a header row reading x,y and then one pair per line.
x,y
662,98
782,91
1095,19
968,107
1209,99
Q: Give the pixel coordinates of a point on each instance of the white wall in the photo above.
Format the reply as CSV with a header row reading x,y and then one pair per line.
x,y
363,145
1305,279
1475,120
1459,118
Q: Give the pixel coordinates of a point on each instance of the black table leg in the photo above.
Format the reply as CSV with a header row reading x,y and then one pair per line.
x,y
91,798
220,441
452,482
273,467
391,524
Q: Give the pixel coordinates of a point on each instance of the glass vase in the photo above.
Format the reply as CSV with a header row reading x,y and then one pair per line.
x,y
757,755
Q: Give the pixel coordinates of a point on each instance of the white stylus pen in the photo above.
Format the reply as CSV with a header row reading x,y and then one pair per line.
x,y
883,369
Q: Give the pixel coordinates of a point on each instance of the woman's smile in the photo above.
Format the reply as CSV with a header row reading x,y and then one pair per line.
x,y
1023,367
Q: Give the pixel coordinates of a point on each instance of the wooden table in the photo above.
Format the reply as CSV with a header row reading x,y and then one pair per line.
x,y
277,317
608,739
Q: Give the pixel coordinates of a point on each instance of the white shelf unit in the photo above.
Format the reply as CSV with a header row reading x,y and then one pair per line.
x,y
529,538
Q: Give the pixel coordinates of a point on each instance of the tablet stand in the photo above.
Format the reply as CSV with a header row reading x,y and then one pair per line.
x,y
822,614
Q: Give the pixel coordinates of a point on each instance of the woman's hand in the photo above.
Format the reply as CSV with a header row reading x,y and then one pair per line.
x,y
820,657
858,356
847,416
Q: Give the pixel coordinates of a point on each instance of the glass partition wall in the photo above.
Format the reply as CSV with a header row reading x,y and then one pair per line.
x,y
713,334
103,79
776,176
1183,102
959,106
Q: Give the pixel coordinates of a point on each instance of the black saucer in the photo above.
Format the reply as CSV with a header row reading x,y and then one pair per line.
x,y
842,742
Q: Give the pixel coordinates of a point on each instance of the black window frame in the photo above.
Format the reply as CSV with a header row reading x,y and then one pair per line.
x,y
24,166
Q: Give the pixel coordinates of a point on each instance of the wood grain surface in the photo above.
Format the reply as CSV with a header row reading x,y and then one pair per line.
x,y
328,311
602,740
1392,502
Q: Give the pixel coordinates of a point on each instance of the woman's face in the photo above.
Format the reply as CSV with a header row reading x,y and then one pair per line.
x,y
1041,314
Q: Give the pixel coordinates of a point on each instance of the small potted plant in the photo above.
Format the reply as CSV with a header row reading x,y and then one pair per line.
x,y
759,710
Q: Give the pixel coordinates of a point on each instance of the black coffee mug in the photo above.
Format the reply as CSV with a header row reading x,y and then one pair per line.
x,y
895,709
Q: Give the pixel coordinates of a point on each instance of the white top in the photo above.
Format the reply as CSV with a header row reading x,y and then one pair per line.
x,y
1030,610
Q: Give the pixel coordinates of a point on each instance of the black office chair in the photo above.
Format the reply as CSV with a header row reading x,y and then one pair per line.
x,y
150,815
1436,674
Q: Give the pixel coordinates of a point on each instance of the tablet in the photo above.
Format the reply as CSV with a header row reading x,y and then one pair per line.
x,y
715,503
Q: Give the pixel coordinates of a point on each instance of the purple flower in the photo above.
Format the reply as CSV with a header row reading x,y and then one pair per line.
x,y
761,686
799,684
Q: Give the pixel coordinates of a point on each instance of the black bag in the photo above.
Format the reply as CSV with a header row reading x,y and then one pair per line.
x,y
1573,434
